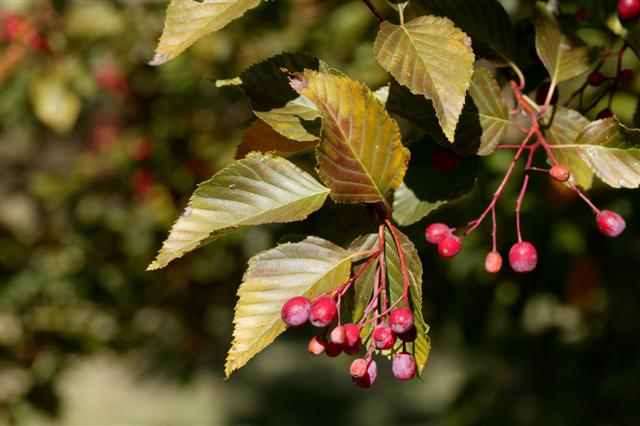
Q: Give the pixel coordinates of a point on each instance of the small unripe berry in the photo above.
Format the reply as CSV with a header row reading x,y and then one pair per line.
x,y
595,79
449,246
410,335
358,368
605,113
352,335
323,312
383,337
317,345
626,76
493,262
333,349
523,257
401,320
444,160
338,335
560,173
436,232
628,10
610,223
295,311
369,377
404,366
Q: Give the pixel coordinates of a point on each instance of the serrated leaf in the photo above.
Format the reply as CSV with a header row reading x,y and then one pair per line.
x,y
256,190
299,120
611,152
186,21
363,286
408,208
307,268
567,124
563,55
262,138
432,58
360,155
492,109
486,22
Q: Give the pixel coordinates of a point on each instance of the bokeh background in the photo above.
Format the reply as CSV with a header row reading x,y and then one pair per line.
x,y
99,152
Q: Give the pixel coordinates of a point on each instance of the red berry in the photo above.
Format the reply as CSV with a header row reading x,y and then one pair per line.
x,y
580,14
444,160
351,350
523,257
627,75
605,113
410,335
359,368
295,311
610,223
401,320
338,335
317,345
493,262
383,337
352,335
449,246
541,94
404,366
436,232
333,349
595,79
560,173
369,377
323,312
629,10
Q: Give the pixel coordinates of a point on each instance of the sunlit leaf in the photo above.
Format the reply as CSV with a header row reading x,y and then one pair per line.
x,y
564,55
492,109
307,268
255,190
408,208
261,137
54,103
360,155
432,58
187,21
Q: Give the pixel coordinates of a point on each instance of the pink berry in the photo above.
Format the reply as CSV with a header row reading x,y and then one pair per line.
x,y
628,10
383,337
436,232
295,311
449,246
401,320
610,223
410,335
338,335
560,173
493,262
404,366
595,79
359,368
523,257
323,312
317,345
352,335
369,377
333,349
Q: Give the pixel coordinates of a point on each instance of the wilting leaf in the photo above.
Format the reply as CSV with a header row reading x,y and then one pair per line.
x,y
187,21
360,155
567,124
432,58
563,54
493,111
255,190
408,208
54,103
307,268
261,137
486,22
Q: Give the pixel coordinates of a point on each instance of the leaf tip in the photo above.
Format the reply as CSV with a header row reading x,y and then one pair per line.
x,y
160,58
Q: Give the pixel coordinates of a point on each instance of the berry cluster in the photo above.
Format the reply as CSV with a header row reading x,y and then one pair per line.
x,y
384,328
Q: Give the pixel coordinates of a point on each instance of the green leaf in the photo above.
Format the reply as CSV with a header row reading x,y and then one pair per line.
x,y
262,138
611,151
486,22
408,208
493,111
636,116
432,58
360,155
363,286
563,54
307,268
187,21
255,190
567,124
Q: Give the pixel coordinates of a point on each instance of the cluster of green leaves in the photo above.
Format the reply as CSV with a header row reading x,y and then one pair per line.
x,y
302,103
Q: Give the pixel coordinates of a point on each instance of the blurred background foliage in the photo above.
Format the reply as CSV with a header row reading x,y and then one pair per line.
x,y
98,154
